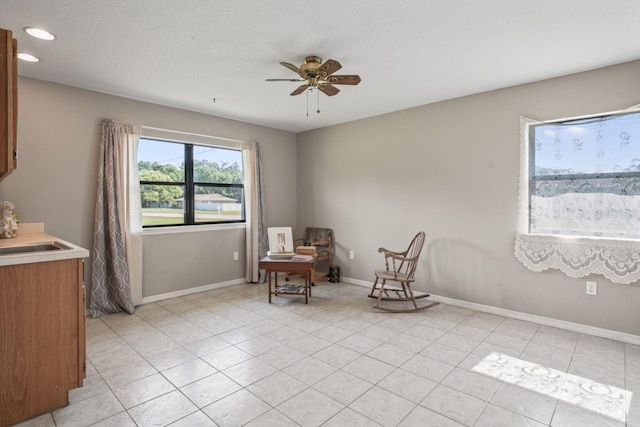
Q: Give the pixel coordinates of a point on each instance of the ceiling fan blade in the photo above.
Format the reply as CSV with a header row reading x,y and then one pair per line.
x,y
328,89
329,67
283,80
344,80
291,67
299,90
295,69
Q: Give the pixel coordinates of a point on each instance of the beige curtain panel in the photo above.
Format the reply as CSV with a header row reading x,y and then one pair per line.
x,y
256,230
111,278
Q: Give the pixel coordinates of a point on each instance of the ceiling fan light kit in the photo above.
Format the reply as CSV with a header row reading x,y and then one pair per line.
x,y
317,75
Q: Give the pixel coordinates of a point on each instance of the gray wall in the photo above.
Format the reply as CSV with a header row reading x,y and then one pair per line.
x,y
58,135
174,262
452,169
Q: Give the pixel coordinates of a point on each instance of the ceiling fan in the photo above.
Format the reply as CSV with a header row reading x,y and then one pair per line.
x,y
315,74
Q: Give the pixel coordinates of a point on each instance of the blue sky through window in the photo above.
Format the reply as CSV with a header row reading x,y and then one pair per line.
x,y
595,145
166,153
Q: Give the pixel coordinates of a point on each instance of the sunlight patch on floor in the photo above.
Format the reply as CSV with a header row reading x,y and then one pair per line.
x,y
604,399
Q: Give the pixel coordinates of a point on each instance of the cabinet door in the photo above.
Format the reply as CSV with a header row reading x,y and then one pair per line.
x,y
13,142
40,346
8,103
82,340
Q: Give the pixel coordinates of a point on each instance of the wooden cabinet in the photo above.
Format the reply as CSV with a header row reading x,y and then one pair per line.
x,y
8,103
42,337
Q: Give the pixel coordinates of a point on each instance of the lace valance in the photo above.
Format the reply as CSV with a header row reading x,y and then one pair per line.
x,y
617,260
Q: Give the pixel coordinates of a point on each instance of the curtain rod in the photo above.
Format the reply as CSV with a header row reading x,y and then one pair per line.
x,y
192,134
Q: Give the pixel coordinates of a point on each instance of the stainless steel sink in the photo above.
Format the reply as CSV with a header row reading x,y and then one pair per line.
x,y
36,247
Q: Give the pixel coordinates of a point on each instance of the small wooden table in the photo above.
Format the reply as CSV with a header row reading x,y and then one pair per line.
x,y
285,266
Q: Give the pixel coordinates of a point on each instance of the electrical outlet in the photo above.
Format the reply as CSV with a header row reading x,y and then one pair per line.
x,y
352,255
592,288
235,256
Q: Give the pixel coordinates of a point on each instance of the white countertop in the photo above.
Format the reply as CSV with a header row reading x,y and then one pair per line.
x,y
34,238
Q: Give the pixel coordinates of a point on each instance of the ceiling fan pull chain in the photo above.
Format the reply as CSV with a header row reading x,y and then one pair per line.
x,y
318,111
308,101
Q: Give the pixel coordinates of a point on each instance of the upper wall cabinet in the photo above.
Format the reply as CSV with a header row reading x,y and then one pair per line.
x,y
8,103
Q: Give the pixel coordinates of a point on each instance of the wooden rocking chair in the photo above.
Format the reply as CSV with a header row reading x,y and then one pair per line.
x,y
401,270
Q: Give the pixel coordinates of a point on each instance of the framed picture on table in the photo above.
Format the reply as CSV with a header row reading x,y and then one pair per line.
x,y
280,240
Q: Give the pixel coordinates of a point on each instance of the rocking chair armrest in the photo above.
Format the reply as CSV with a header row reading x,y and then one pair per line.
x,y
387,251
396,255
399,258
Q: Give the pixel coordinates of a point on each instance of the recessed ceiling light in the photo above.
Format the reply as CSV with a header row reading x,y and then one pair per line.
x,y
39,33
28,57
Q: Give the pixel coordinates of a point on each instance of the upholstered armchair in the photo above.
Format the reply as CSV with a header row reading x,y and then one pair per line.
x,y
317,242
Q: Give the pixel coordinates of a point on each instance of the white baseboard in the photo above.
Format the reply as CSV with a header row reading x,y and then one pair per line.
x,y
356,282
547,321
183,292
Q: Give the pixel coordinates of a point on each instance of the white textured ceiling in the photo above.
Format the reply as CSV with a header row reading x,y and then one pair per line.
x,y
184,53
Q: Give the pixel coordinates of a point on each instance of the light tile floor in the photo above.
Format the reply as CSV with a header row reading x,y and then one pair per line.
x,y
228,358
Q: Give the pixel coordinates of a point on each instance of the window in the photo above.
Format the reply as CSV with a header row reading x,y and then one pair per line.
x,y
186,184
584,176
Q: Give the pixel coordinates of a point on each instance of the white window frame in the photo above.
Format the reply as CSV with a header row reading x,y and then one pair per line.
x,y
199,139
618,259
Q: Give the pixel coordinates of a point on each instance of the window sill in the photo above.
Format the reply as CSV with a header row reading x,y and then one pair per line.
x,y
616,259
182,229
